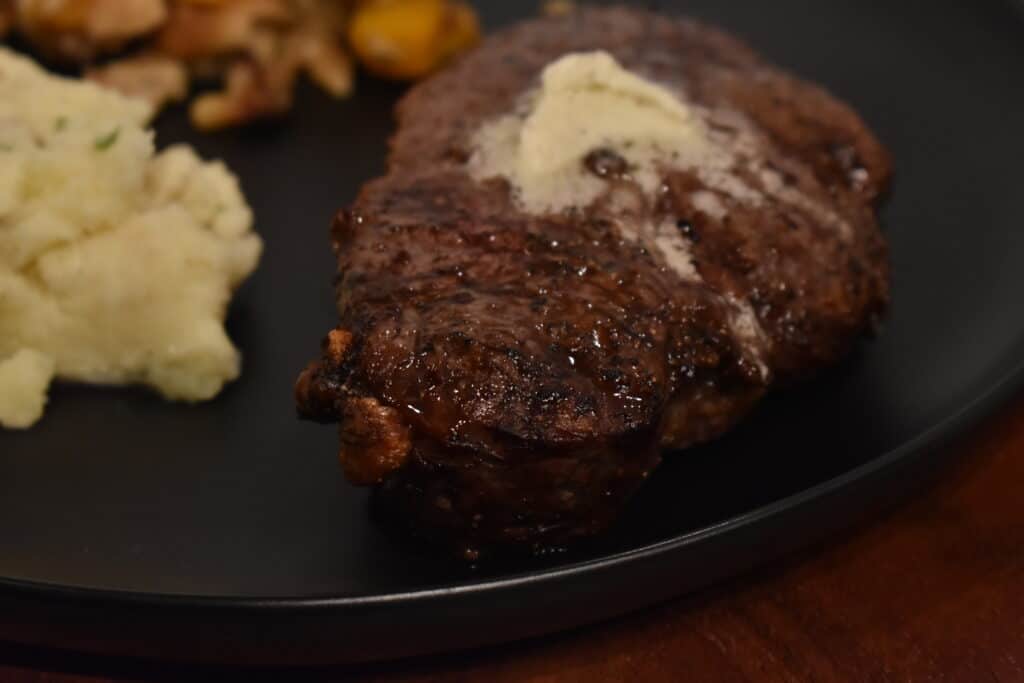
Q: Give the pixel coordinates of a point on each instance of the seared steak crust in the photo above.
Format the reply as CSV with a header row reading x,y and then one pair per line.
x,y
508,378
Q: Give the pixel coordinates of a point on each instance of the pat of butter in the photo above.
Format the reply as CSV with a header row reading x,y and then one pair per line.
x,y
586,102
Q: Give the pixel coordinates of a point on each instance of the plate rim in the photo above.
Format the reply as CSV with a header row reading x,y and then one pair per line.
x,y
961,420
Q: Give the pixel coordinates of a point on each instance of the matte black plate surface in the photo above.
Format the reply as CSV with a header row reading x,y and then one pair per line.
x,y
227,531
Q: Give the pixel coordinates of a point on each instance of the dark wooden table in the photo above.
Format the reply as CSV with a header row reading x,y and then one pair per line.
x,y
934,591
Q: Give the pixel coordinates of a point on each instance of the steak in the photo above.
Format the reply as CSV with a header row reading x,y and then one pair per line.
x,y
508,379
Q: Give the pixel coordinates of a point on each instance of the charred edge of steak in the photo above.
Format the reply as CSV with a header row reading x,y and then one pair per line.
x,y
375,441
321,387
556,497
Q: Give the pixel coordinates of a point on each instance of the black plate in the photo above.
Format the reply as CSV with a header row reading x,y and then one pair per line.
x,y
226,531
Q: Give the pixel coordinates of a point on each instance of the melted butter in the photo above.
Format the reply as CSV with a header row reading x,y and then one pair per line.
x,y
747,328
675,249
588,107
586,102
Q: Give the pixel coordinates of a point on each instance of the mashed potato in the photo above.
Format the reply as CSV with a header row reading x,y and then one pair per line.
x,y
117,264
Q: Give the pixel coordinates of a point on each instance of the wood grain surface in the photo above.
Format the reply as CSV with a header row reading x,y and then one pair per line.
x,y
934,591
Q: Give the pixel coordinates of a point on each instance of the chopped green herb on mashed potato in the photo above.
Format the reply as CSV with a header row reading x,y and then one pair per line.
x,y
117,264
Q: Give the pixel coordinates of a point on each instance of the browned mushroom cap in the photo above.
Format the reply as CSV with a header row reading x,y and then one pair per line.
x,y
154,78
80,30
319,52
252,91
260,45
203,31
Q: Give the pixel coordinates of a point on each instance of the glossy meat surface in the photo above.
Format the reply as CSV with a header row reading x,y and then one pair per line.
x,y
509,379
